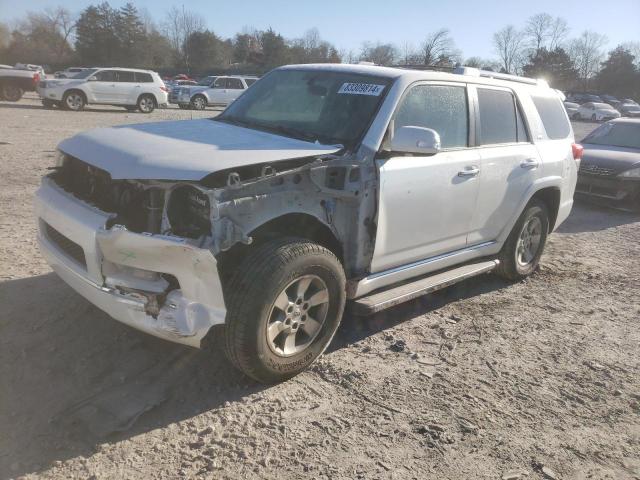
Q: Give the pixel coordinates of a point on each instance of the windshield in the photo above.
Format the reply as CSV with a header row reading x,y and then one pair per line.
x,y
625,135
313,105
85,73
206,81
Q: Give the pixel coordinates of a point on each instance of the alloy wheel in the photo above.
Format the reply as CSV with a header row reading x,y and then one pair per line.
x,y
74,101
297,315
529,241
146,104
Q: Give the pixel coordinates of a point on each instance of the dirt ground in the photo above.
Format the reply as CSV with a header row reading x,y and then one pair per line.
x,y
487,379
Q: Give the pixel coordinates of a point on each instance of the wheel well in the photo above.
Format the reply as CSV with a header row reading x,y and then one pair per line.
x,y
290,225
551,197
200,95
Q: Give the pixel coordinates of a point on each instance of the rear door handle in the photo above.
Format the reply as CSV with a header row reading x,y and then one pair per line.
x,y
469,172
530,163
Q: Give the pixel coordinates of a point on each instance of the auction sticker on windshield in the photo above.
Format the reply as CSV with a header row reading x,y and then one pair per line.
x,y
361,89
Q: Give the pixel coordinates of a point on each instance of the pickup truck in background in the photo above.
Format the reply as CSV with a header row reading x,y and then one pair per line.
x,y
14,82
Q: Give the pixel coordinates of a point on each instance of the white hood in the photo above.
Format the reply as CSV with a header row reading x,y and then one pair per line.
x,y
183,150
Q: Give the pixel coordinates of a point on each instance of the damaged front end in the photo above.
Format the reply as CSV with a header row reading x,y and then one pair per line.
x,y
111,241
149,252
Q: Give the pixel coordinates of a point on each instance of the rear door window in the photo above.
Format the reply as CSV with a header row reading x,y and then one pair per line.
x,y
500,118
235,84
143,77
442,108
553,117
124,76
221,82
106,76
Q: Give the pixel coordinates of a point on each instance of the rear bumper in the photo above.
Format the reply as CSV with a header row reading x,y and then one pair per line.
x,y
612,191
119,271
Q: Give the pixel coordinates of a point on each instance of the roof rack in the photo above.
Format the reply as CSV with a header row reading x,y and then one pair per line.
x,y
476,72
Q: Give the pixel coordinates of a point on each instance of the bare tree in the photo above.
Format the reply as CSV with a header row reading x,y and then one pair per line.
x,y
5,35
586,52
380,53
559,32
538,30
508,44
179,25
409,55
438,46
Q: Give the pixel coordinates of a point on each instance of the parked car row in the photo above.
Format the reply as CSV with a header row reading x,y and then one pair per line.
x,y
626,107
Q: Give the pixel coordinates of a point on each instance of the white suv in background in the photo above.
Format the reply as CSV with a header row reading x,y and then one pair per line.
x,y
220,92
141,90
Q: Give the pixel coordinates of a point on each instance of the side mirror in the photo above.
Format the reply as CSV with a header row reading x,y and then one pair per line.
x,y
418,140
92,79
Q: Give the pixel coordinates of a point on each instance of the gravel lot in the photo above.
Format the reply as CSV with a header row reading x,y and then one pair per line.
x,y
487,379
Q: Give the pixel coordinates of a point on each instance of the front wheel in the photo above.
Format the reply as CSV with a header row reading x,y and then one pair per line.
x,y
199,102
73,100
521,252
593,117
285,302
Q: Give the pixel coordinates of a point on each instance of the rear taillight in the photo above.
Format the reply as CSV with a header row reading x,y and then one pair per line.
x,y
164,89
36,78
577,151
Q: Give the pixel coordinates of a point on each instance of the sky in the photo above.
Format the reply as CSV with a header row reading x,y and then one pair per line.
x,y
349,23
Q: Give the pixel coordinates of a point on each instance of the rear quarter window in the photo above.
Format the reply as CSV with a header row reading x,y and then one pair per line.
x,y
143,77
553,117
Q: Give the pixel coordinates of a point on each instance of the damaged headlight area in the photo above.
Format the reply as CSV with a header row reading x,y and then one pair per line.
x,y
188,212
156,207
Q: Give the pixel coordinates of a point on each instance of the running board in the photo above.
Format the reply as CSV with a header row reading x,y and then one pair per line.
x,y
388,298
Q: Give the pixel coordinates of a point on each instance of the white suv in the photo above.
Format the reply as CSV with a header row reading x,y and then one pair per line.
x,y
141,90
321,184
220,92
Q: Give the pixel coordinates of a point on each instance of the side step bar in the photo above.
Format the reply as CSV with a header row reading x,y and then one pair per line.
x,y
388,298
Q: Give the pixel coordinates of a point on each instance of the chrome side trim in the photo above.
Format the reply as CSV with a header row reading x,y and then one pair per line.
x,y
426,261
421,267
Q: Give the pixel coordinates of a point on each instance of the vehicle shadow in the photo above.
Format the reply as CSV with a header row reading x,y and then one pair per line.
x,y
589,217
23,106
72,378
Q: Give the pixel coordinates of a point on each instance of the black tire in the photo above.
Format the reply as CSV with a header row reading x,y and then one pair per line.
x,y
131,108
198,102
146,103
73,100
11,92
593,117
511,266
267,273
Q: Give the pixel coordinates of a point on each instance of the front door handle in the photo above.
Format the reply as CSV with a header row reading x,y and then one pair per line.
x,y
469,172
530,163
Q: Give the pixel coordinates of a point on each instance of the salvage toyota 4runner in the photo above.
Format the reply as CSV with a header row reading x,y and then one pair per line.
x,y
320,185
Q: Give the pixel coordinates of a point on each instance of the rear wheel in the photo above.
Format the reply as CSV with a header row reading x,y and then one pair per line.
x,y
593,117
521,252
285,303
11,93
73,100
199,102
146,103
